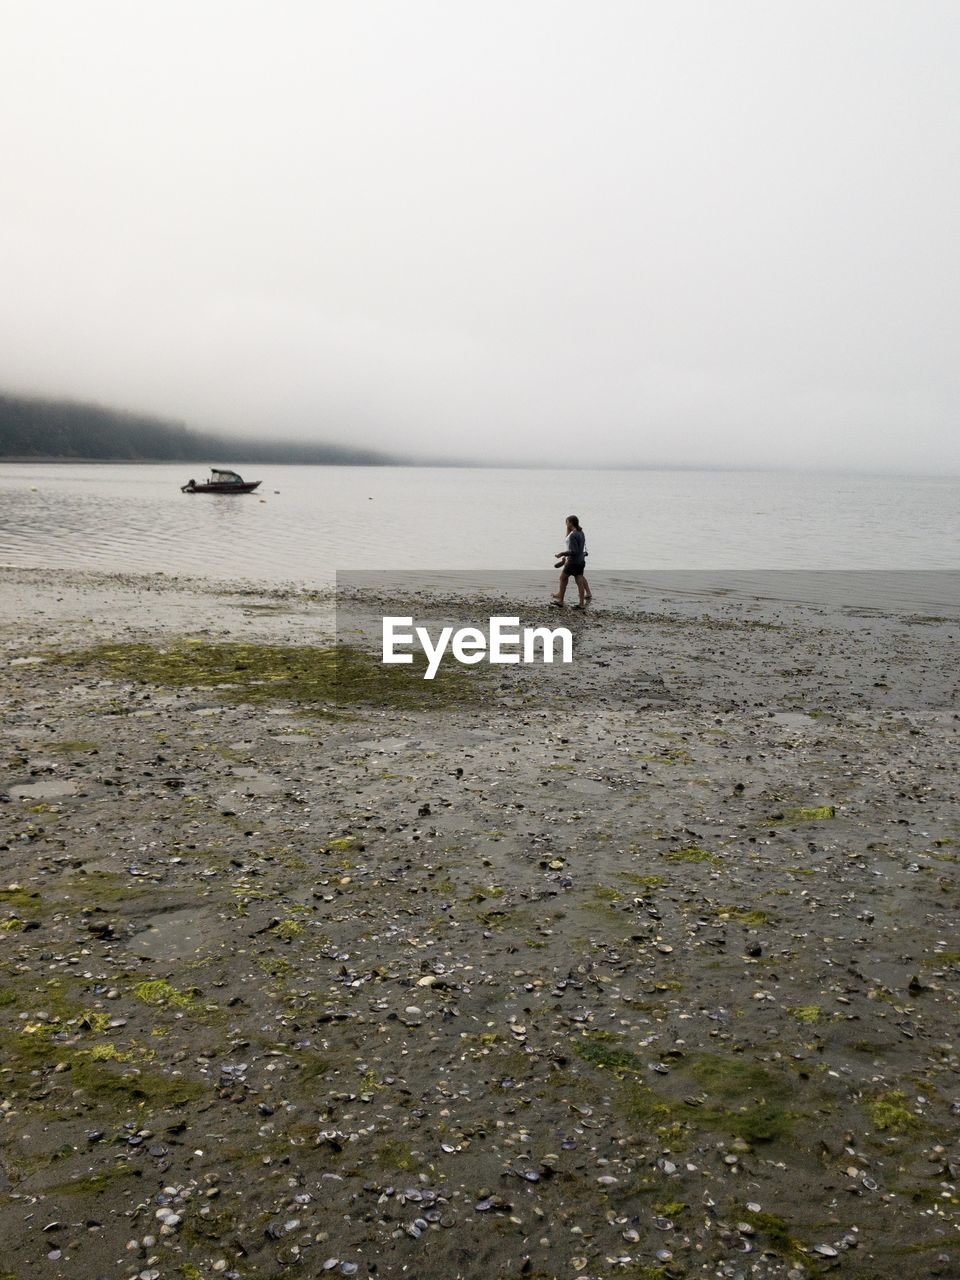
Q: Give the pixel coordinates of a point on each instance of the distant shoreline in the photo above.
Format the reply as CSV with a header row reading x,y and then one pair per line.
x,y
21,460
466,465
34,429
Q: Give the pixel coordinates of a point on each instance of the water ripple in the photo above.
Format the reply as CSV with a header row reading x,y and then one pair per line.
x,y
306,522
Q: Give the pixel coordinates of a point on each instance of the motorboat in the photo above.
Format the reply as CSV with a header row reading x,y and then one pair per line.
x,y
221,481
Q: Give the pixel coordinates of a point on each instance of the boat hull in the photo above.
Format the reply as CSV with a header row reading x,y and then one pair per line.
x,y
245,487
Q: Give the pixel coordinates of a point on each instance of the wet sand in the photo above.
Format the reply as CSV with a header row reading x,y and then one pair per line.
x,y
644,968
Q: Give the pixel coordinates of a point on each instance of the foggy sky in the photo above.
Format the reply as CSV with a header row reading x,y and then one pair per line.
x,y
719,231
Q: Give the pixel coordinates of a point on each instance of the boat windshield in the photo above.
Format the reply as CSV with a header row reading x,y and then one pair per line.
x,y
225,477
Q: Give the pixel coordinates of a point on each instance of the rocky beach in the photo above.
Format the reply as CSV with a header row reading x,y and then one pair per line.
x,y
645,968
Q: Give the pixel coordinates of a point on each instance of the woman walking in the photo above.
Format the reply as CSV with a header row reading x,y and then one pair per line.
x,y
573,562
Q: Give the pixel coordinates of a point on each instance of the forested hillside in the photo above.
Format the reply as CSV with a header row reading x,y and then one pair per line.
x,y
36,428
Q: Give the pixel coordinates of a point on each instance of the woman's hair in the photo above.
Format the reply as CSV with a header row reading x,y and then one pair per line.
x,y
574,521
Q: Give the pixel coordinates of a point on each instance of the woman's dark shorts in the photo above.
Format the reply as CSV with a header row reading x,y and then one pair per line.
x,y
574,568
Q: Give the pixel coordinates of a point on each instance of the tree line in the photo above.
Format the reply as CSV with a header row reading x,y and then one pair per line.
x,y
34,428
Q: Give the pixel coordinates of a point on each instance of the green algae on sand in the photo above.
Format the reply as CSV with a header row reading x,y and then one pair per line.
x,y
805,813
693,853
18,899
889,1113
159,992
341,675
607,1050
93,1184
133,1089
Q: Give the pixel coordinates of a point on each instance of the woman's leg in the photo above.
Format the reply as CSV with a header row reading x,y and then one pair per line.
x,y
586,588
558,595
582,588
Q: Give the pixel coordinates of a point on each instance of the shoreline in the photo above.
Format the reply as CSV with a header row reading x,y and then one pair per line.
x,y
632,970
466,465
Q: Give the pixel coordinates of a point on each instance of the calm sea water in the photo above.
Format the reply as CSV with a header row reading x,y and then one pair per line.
x,y
306,522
